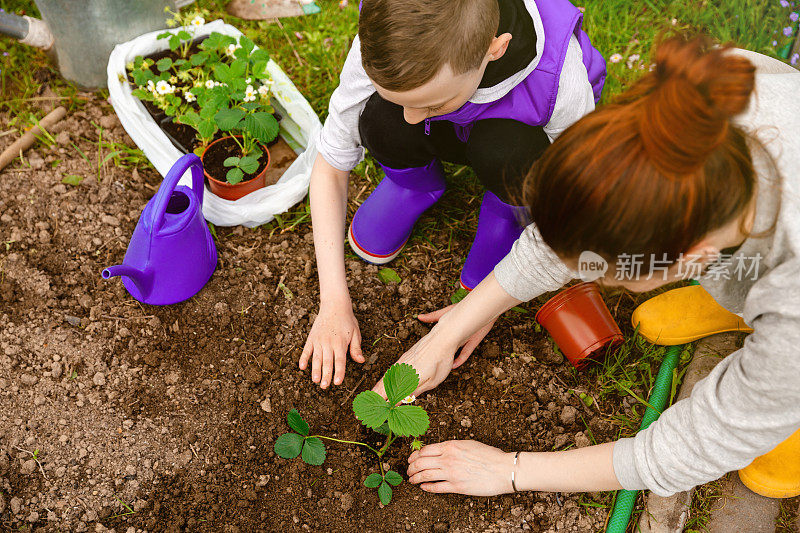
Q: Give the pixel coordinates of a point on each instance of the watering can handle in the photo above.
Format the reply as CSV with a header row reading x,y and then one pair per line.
x,y
171,181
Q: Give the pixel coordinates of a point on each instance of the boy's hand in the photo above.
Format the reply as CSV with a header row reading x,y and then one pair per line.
x,y
335,331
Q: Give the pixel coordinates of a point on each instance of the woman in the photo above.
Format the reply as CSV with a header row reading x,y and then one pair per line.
x,y
700,157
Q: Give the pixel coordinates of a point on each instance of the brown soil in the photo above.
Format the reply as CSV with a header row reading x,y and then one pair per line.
x,y
164,418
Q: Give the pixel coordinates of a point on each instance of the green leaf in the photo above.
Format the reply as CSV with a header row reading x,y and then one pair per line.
x,y
211,102
520,310
185,35
141,94
262,126
371,409
190,118
238,68
260,70
401,380
140,77
234,176
289,445
207,129
199,58
384,429
296,422
385,493
174,42
223,73
373,480
72,179
212,41
228,119
164,64
394,478
314,451
259,55
232,161
164,35
408,420
388,275
246,45
459,295
249,164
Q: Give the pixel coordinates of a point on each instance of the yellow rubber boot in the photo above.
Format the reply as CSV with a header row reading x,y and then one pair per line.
x,y
684,315
776,474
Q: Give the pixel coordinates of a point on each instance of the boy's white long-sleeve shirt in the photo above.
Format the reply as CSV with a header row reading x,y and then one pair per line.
x,y
751,401
340,144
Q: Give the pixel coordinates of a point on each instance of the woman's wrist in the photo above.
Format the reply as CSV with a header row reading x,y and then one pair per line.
x,y
449,330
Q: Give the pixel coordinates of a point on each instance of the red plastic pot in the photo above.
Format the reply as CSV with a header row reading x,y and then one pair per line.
x,y
225,190
580,323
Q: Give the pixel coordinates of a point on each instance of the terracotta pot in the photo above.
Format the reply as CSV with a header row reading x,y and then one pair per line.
x,y
580,323
225,190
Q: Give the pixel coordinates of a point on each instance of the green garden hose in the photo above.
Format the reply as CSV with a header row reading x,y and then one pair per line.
x,y
626,499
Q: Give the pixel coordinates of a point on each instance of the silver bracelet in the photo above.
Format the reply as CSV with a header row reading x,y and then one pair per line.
x,y
513,481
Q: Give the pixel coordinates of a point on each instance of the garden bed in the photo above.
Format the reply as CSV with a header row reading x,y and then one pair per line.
x,y
164,418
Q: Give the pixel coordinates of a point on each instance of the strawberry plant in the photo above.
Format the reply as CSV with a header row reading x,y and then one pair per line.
x,y
393,418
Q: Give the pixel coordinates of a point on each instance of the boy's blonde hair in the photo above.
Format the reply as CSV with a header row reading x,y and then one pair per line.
x,y
405,43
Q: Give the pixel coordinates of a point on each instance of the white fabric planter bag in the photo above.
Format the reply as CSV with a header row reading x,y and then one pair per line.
x,y
298,127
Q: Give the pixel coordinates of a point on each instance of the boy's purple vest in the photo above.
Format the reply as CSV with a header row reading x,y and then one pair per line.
x,y
532,101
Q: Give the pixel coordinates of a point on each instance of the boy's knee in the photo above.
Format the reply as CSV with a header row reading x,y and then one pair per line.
x,y
506,145
502,152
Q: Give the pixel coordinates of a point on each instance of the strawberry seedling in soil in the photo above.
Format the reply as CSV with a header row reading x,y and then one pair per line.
x,y
391,418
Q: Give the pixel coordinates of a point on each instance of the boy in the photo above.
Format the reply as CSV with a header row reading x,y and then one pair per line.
x,y
488,83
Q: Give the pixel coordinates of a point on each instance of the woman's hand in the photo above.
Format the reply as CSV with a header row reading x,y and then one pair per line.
x,y
472,342
469,467
334,333
463,467
433,355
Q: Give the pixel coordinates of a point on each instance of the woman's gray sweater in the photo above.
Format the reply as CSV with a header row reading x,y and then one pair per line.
x,y
751,401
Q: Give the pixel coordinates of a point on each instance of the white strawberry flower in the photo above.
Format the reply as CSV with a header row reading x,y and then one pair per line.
x,y
248,81
163,87
151,86
197,21
249,94
209,84
263,91
409,399
231,49
189,96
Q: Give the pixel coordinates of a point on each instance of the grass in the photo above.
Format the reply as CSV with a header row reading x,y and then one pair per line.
x,y
703,501
312,49
788,519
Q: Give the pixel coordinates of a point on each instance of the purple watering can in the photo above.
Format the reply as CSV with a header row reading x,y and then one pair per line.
x,y
171,255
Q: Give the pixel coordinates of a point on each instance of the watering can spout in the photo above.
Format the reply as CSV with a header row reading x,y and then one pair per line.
x,y
138,277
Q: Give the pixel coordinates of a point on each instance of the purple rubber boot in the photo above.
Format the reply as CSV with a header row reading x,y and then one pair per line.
x,y
499,225
384,222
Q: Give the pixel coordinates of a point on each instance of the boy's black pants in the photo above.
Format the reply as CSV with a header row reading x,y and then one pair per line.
x,y
500,151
